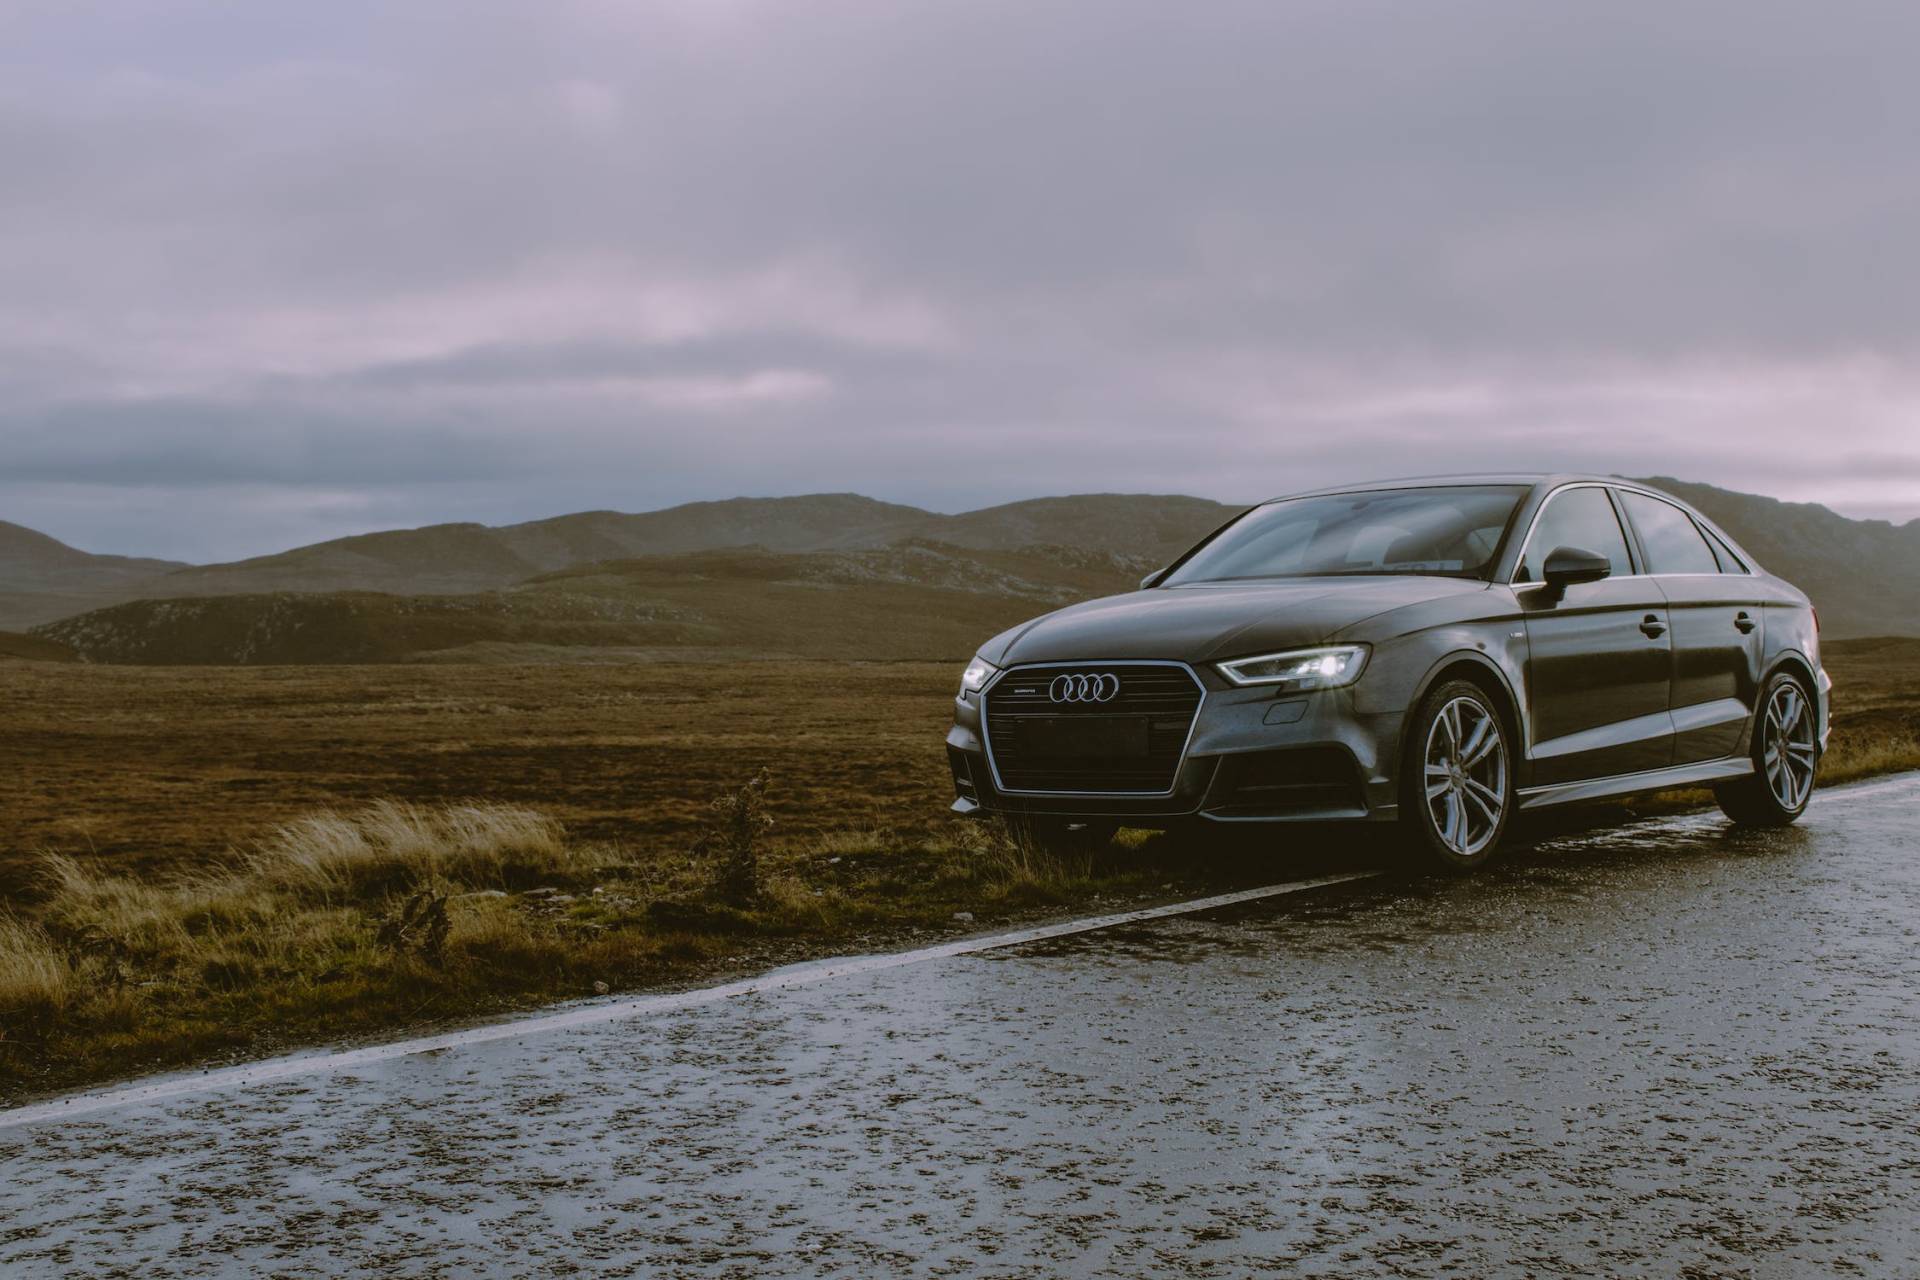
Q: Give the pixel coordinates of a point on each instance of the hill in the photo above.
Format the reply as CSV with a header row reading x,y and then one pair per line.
x,y
508,586
917,599
455,558
42,578
1863,575
1157,526
34,648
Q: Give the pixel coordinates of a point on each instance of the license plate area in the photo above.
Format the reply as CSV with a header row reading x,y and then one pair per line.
x,y
1084,737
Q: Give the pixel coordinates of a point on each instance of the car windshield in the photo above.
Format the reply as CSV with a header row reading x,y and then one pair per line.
x,y
1452,531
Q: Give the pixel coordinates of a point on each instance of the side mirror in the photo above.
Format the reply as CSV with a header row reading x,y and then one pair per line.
x,y
1152,578
1569,565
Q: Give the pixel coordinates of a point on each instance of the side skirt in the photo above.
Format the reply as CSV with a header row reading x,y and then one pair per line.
x,y
1679,775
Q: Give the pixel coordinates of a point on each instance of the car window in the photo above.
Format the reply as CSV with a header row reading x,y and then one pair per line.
x,y
1730,562
1668,535
1582,518
1450,530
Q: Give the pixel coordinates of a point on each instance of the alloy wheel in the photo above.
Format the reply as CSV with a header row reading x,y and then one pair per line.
x,y
1787,746
1466,775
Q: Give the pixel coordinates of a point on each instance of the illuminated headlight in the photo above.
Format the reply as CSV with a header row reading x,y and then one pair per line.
x,y
1300,669
975,677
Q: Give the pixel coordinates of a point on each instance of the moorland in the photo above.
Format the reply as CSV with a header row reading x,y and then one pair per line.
x,y
432,774
206,862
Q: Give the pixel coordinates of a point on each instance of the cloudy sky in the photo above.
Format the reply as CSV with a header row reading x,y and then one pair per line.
x,y
273,272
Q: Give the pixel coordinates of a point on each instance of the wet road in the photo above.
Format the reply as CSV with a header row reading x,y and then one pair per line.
x,y
1665,1050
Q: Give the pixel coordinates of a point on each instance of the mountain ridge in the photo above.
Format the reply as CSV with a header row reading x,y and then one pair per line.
x,y
1864,574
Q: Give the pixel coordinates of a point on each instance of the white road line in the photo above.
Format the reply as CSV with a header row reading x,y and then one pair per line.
x,y
610,1010
596,1012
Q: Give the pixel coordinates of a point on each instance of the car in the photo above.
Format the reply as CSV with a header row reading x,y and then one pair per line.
x,y
1442,653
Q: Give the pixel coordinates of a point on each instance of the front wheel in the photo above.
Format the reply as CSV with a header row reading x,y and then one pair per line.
x,y
1786,753
1457,794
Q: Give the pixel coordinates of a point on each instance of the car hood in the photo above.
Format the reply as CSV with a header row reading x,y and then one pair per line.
x,y
1208,622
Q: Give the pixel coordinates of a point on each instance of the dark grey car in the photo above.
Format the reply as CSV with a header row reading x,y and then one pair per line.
x,y
1443,652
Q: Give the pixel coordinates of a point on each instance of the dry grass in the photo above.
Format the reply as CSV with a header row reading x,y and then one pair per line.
x,y
1864,753
36,980
245,834
392,847
345,921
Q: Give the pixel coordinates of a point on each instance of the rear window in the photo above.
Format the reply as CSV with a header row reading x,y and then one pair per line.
x,y
1448,530
1730,561
1673,543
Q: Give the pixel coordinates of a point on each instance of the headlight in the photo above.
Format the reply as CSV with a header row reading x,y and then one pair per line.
x,y
1300,669
975,677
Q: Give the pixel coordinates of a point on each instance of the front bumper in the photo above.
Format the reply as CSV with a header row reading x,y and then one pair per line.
x,y
1254,756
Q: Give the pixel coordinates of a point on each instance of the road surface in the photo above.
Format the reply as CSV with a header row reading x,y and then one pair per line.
x,y
1670,1049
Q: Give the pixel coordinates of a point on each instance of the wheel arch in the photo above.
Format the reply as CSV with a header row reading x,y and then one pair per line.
x,y
1796,663
1469,664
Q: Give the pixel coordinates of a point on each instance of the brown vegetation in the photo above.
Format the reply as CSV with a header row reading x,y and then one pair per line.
x,y
199,862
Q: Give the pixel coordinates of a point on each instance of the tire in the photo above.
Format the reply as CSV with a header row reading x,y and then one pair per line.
x,y
1456,788
1786,759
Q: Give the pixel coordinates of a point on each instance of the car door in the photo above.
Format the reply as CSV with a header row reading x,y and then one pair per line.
x,y
1716,620
1599,661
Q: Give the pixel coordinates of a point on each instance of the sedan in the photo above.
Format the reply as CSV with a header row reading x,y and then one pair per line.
x,y
1438,653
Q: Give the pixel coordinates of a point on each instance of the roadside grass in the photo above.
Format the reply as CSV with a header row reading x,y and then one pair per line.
x,y
262,859
1853,753
345,923
1851,756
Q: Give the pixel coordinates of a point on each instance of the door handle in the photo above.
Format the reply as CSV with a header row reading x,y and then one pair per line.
x,y
1744,623
1652,627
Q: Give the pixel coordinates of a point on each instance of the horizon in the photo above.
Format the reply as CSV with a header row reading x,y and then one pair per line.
x,y
827,493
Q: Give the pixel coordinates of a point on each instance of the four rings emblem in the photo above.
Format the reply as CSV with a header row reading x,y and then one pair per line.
x,y
1084,688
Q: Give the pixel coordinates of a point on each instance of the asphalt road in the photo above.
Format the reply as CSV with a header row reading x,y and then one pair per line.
x,y
1666,1050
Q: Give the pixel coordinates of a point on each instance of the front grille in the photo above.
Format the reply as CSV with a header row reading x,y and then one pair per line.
x,y
1130,743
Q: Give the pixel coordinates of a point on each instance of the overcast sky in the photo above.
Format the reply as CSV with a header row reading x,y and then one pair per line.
x,y
275,272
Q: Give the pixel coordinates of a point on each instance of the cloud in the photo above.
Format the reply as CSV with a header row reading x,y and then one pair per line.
x,y
473,260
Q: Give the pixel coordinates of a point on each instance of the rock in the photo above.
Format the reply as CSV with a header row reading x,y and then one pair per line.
x,y
964,917
480,893
601,988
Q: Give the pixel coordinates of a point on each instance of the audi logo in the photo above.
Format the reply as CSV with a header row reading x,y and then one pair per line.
x,y
1083,688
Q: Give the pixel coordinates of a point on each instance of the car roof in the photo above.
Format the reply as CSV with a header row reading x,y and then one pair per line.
x,y
1540,481
1530,479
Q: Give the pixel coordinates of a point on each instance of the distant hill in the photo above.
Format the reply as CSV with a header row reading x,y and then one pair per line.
x,y
680,579
34,648
42,578
917,599
1863,575
1158,526
454,558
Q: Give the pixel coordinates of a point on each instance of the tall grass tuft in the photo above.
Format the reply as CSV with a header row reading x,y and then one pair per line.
x,y
390,847
1862,755
36,979
739,819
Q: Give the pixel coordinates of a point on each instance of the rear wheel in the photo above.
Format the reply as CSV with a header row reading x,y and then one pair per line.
x,y
1786,755
1457,793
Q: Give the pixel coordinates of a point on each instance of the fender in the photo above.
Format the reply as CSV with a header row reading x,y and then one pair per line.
x,y
1479,659
1805,667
